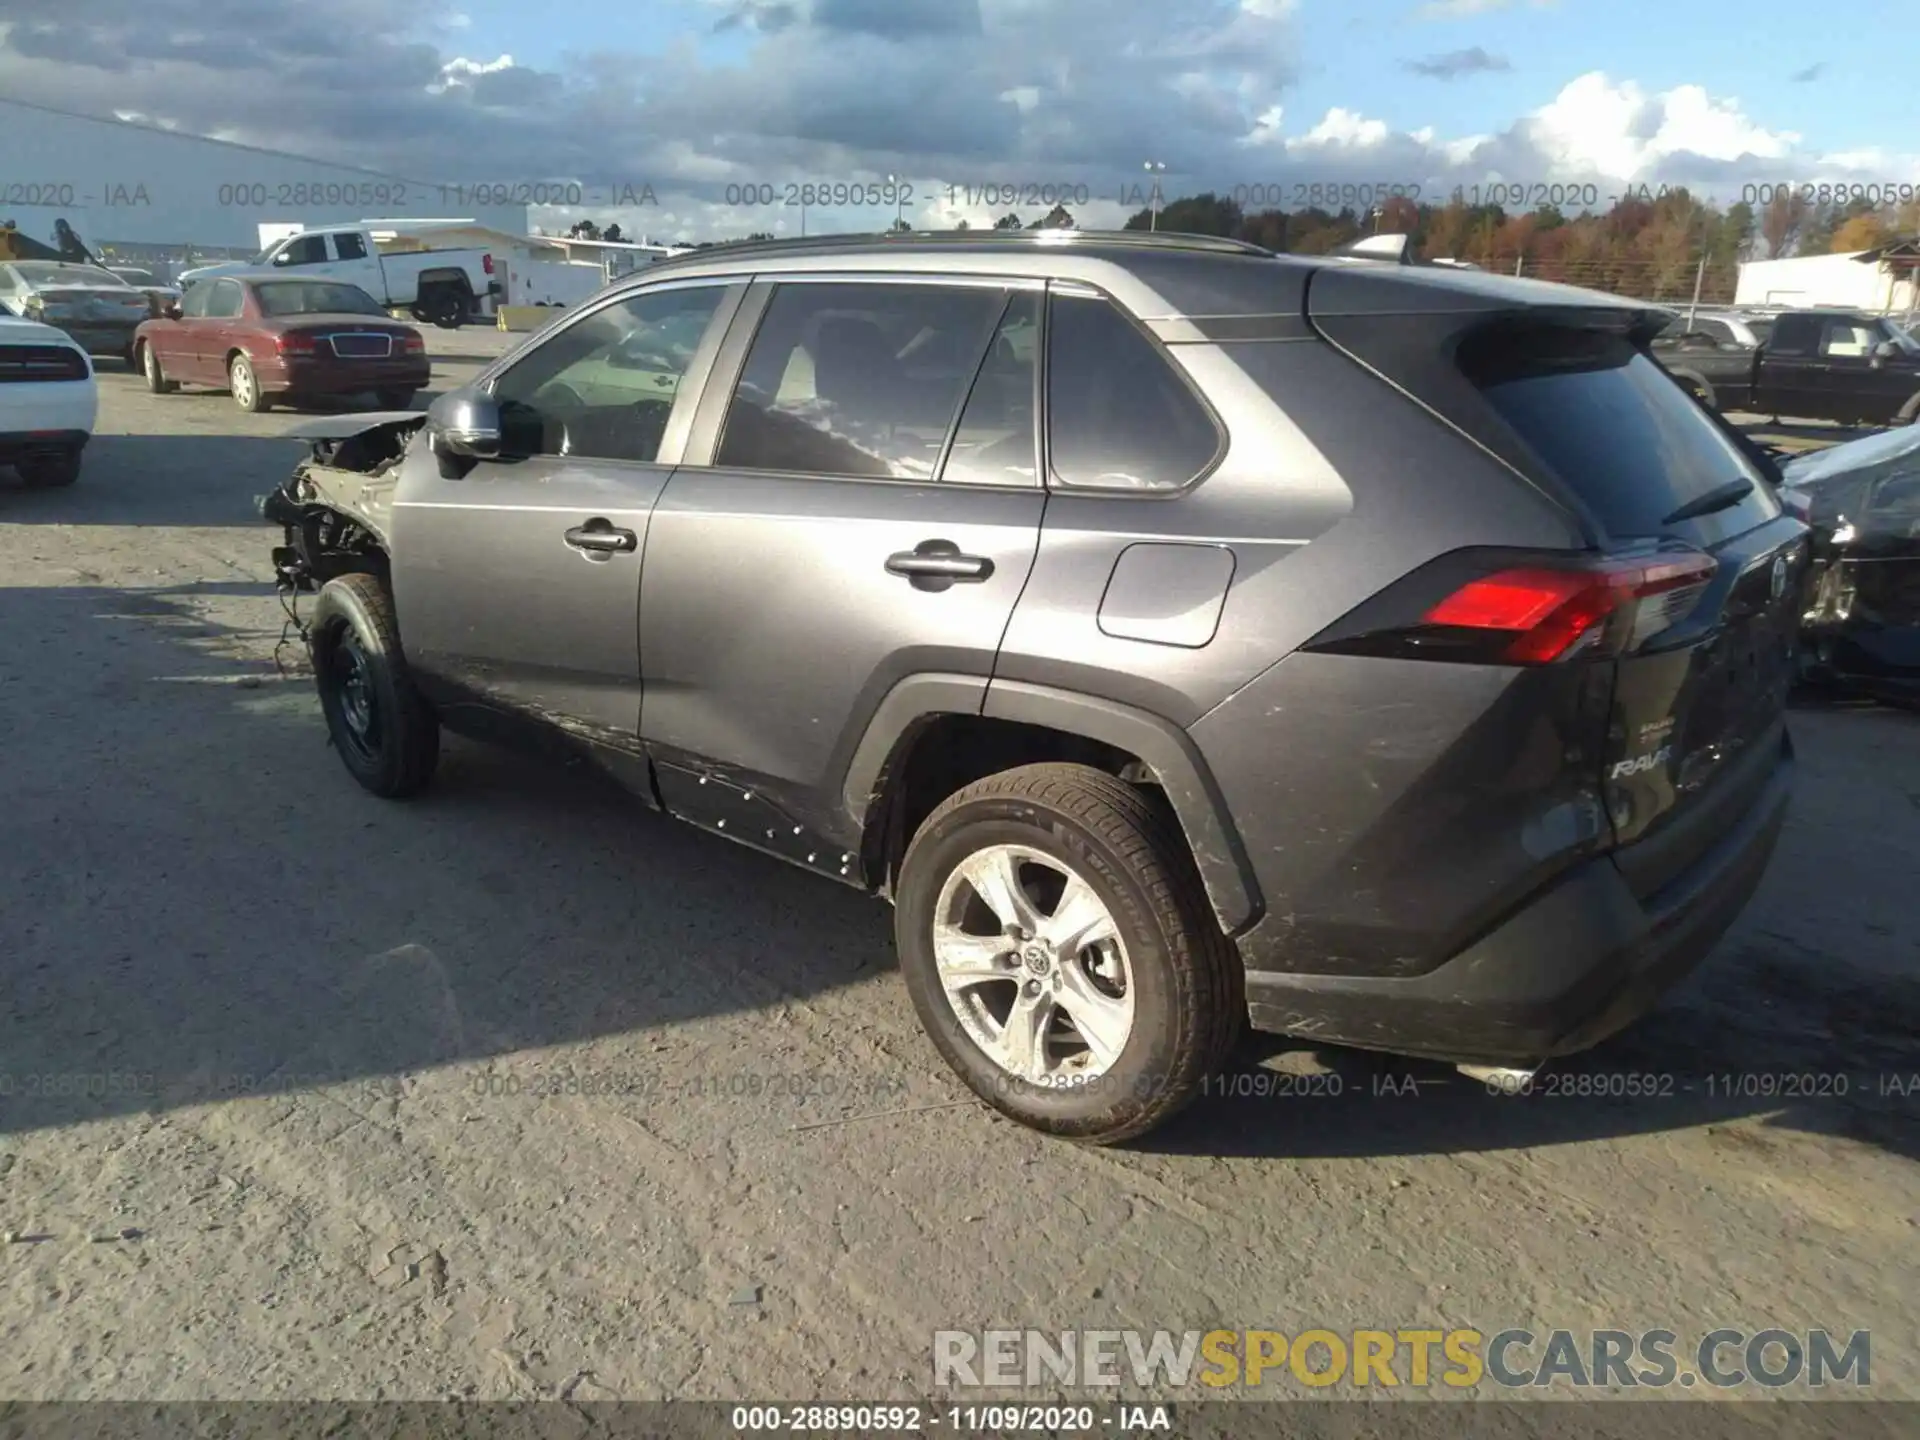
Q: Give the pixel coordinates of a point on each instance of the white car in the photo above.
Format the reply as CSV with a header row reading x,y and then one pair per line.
x,y
48,402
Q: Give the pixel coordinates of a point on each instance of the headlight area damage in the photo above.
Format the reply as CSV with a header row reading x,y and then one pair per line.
x,y
1861,631
335,507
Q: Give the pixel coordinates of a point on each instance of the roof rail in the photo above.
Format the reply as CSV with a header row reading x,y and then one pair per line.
x,y
935,239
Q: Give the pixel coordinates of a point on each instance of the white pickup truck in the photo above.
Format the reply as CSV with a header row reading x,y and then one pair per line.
x,y
436,286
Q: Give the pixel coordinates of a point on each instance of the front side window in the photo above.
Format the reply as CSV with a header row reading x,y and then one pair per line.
x,y
1119,416
605,387
1848,339
859,380
193,305
305,250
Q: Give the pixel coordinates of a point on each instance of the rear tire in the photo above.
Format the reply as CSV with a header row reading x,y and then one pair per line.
x,y
387,735
149,366
1159,984
244,385
446,306
49,472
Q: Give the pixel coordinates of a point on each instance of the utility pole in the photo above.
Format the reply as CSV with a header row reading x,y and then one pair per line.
x,y
1699,284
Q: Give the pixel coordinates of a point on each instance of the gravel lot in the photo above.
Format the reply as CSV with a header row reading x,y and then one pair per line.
x,y
305,1178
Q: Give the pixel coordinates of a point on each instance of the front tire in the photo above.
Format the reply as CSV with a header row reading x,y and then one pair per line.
x,y
49,472
1061,953
386,733
245,386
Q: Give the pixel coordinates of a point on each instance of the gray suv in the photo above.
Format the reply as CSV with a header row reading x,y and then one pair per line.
x,y
1177,634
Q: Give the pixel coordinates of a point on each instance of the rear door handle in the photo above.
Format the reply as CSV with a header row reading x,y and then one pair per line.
x,y
598,537
937,564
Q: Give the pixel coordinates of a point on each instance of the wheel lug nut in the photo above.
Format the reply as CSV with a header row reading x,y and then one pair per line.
x,y
1032,988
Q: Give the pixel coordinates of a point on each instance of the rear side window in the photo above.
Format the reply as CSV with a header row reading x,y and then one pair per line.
x,y
1615,429
225,300
1119,416
858,380
350,246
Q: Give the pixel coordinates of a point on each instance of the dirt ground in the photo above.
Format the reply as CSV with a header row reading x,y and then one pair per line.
x,y
258,1034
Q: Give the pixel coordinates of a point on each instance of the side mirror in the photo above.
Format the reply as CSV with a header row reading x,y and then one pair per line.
x,y
465,423
1885,350
171,310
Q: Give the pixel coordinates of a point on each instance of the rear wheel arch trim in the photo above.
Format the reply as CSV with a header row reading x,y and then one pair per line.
x,y
1161,745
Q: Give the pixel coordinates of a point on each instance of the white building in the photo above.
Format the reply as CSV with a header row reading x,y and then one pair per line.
x,y
151,193
1882,280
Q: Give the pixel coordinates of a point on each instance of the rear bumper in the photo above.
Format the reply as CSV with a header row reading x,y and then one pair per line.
x,y
101,337
1581,962
342,377
16,445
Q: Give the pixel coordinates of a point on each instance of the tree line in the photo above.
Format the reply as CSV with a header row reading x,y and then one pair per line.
x,y
1655,247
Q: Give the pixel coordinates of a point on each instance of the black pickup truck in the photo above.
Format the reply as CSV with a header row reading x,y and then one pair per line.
x,y
1839,365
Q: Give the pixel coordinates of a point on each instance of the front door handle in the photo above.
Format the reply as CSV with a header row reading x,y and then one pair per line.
x,y
937,564
600,538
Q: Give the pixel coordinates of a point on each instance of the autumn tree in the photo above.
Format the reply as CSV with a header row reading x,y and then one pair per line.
x,y
1782,222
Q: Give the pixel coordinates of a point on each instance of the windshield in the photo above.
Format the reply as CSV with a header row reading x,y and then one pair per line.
x,y
1902,337
314,297
47,272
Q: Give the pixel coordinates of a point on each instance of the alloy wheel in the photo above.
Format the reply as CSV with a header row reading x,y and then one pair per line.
x,y
1032,962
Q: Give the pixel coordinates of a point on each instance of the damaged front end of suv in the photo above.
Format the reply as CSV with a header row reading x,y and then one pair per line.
x,y
337,504
1861,631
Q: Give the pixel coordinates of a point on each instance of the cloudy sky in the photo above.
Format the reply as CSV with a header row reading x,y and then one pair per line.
x,y
698,98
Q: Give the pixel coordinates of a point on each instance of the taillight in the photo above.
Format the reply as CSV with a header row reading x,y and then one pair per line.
x,y
486,263
1533,613
1549,615
412,343
294,343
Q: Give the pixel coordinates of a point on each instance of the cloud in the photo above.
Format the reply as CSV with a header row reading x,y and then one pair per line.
x,y
1454,63
1809,75
961,96
1461,9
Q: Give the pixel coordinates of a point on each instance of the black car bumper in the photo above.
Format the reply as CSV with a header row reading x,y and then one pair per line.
x,y
28,444
1581,962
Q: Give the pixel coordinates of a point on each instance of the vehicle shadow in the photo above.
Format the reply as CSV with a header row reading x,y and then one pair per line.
x,y
1761,1033
203,906
173,479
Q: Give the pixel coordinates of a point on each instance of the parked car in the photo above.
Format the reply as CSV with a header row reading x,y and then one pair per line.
x,y
1432,703
268,341
48,402
1861,632
439,287
159,296
94,306
1839,365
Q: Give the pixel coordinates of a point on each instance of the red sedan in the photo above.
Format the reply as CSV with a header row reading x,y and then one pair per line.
x,y
269,340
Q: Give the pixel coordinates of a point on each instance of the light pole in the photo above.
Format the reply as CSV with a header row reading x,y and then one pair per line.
x,y
1376,215
899,200
1156,169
